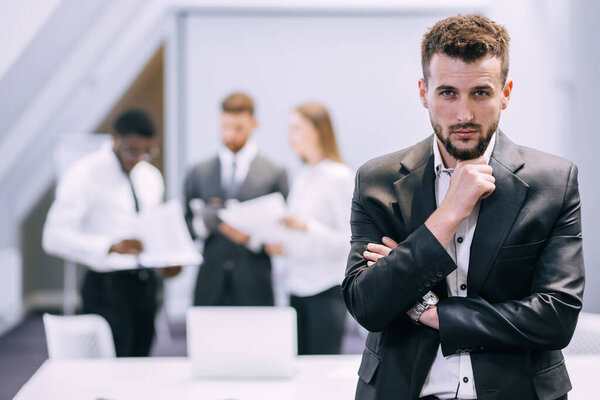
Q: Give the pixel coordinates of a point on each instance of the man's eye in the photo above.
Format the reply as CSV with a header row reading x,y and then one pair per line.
x,y
447,93
481,93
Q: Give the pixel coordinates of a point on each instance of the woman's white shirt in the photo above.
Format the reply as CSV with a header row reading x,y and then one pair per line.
x,y
321,195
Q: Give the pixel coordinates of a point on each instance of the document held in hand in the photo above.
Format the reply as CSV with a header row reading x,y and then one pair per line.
x,y
259,217
167,241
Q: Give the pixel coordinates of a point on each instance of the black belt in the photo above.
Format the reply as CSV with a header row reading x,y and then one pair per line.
x,y
141,274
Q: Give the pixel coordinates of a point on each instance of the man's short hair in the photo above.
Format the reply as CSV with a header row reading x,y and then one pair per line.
x,y
468,38
238,103
134,122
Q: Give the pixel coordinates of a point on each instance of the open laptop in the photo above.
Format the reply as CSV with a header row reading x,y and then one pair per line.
x,y
242,342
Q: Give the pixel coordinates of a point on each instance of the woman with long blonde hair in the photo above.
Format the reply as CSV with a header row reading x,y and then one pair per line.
x,y
319,223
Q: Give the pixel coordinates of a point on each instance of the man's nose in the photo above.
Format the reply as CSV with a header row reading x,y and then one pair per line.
x,y
465,111
229,133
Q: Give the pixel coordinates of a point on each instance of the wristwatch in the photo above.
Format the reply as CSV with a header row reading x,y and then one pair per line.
x,y
429,300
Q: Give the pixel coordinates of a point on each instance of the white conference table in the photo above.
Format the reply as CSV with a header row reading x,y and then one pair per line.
x,y
318,377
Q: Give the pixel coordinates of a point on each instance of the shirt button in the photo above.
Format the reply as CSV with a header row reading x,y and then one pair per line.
x,y
465,379
463,287
459,239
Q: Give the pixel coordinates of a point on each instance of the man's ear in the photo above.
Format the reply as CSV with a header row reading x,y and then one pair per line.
x,y
506,93
423,92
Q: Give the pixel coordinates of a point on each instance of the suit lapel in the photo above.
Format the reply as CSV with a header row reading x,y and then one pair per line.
x,y
213,180
497,213
252,181
415,190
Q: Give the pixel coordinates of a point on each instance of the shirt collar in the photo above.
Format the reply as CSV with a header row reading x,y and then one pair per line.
x,y
242,157
111,157
438,163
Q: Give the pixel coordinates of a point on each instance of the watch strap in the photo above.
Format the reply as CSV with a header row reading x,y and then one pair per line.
x,y
417,310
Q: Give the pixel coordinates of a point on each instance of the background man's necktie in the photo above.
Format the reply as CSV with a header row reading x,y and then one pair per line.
x,y
231,186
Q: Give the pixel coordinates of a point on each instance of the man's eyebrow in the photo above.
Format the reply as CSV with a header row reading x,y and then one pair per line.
x,y
445,87
479,87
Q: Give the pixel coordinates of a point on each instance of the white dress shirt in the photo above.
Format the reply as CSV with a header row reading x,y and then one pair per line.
x,y
243,159
95,208
321,195
452,377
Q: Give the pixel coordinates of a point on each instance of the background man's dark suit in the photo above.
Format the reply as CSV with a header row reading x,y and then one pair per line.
x,y
525,280
250,272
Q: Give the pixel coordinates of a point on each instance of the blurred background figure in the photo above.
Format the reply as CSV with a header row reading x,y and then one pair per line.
x,y
315,253
92,219
236,270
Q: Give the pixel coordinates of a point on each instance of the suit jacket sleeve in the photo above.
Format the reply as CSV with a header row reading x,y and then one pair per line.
x,y
189,194
378,294
63,235
544,320
202,219
283,184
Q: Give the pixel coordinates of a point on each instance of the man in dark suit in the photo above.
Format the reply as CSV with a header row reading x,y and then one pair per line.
x,y
236,269
466,263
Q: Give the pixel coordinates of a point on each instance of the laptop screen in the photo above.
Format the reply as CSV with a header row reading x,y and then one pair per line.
x,y
256,342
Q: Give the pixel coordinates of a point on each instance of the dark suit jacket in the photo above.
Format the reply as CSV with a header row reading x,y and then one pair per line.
x,y
525,279
250,272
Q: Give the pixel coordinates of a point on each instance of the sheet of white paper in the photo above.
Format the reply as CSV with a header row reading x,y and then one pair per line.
x,y
167,241
259,217
122,261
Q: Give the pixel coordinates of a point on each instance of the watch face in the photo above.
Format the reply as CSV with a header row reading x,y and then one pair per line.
x,y
430,298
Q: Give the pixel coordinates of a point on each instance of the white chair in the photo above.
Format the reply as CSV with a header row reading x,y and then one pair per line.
x,y
586,339
78,336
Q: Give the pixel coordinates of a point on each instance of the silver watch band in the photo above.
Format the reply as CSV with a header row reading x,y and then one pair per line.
x,y
417,310
430,299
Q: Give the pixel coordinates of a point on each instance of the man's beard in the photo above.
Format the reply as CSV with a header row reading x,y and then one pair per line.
x,y
465,154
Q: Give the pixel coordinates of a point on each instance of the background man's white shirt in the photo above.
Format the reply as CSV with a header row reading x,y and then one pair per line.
x,y
95,208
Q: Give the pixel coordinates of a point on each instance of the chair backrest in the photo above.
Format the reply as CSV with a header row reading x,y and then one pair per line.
x,y
586,339
78,336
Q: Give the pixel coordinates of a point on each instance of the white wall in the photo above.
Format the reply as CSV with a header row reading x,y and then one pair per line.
x,y
20,21
11,302
364,68
583,140
540,67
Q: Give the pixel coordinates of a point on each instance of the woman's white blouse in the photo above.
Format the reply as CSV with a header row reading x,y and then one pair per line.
x,y
321,195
